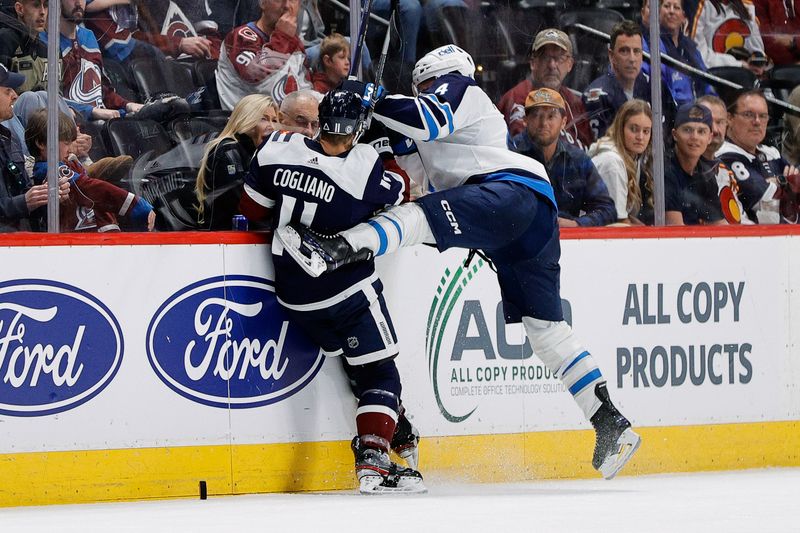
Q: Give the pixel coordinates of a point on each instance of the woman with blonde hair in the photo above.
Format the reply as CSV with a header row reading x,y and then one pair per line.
x,y
622,158
227,158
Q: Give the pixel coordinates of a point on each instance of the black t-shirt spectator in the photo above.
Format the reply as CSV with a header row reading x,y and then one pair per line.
x,y
696,196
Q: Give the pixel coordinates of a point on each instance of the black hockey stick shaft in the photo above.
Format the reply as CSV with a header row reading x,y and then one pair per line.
x,y
382,61
362,34
386,40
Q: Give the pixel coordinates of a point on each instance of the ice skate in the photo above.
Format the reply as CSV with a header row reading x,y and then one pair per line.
x,y
316,253
378,475
616,441
405,441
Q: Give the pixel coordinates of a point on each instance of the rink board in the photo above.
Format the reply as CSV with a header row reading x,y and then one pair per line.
x,y
152,363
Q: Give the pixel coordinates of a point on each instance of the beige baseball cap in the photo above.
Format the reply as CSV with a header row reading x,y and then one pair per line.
x,y
552,36
544,97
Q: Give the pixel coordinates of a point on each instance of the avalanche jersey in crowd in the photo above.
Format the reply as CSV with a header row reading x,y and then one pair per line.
x,y
728,188
279,51
470,136
292,175
752,172
93,204
82,72
717,32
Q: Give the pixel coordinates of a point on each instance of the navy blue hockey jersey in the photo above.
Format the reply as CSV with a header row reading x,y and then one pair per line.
x,y
292,175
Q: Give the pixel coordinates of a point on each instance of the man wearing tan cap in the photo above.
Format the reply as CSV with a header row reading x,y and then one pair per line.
x,y
550,62
581,194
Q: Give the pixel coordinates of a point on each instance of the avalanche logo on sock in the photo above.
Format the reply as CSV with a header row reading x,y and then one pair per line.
x,y
226,342
59,347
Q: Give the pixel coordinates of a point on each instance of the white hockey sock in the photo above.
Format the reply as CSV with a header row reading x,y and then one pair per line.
x,y
557,347
400,225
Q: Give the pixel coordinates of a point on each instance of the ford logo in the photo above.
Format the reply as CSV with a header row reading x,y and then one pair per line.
x,y
226,342
59,347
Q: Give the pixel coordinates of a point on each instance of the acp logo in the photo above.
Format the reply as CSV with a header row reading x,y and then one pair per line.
x,y
226,342
59,347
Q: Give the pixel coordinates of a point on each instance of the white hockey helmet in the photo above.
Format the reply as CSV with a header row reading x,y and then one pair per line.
x,y
443,60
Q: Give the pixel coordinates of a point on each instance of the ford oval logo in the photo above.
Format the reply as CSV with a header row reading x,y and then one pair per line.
x,y
59,347
226,342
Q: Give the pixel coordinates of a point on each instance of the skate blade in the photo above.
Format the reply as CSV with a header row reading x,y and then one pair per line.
x,y
627,444
314,265
373,485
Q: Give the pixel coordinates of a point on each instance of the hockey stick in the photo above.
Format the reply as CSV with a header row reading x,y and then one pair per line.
x,y
362,34
382,62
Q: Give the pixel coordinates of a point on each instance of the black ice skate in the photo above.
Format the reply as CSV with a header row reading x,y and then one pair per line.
x,y
616,441
405,441
316,253
378,475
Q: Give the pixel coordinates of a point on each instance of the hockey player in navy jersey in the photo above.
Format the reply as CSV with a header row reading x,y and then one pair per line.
x,y
485,197
331,184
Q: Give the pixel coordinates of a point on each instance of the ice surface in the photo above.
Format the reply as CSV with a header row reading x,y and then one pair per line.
x,y
742,501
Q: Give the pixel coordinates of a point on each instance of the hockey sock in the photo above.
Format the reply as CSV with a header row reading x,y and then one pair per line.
x,y
557,347
402,225
379,388
377,417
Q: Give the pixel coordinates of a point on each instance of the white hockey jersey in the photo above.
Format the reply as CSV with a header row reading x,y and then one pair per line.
x,y
717,32
469,132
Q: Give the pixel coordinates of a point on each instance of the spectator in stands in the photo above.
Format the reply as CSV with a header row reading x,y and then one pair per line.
x,y
550,62
791,140
20,48
263,57
674,43
115,24
334,63
22,51
719,26
779,22
690,185
768,185
93,204
622,82
19,198
83,79
622,159
299,112
728,189
409,13
227,158
581,195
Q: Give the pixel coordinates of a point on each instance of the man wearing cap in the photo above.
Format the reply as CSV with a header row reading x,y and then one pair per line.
x,y
768,185
550,62
17,198
581,195
690,186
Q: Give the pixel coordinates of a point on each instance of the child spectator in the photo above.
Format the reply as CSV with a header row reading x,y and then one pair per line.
x,y
227,158
93,204
622,158
334,63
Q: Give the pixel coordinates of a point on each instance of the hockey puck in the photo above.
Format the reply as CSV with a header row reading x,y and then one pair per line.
x,y
203,490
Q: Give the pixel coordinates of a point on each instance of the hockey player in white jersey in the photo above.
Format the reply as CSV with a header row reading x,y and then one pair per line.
x,y
331,184
483,197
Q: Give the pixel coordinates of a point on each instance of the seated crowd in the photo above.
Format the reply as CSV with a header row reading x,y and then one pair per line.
x,y
209,81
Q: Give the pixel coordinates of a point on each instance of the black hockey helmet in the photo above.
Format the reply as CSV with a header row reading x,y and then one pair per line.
x,y
341,113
